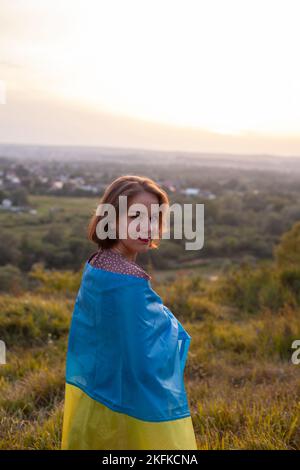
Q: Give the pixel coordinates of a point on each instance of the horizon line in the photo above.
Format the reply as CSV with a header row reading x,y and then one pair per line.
x,y
143,149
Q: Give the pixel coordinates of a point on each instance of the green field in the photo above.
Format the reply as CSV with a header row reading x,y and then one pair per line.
x,y
62,211
243,389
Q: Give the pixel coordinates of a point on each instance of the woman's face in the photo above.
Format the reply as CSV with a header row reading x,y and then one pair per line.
x,y
142,244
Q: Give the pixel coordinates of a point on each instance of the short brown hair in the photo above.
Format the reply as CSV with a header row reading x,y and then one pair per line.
x,y
127,185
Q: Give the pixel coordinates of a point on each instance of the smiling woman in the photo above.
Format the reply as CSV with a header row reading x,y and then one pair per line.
x,y
138,192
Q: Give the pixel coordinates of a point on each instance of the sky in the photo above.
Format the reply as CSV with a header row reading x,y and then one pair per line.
x,y
199,75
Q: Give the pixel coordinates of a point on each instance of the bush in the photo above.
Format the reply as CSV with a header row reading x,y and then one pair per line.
x,y
252,290
51,281
31,320
287,253
11,279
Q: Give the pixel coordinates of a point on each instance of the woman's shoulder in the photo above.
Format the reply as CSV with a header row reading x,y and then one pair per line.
x,y
110,260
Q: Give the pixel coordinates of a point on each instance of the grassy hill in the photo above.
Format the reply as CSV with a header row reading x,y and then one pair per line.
x,y
244,391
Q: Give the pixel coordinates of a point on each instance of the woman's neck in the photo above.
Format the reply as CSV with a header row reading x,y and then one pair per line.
x,y
121,249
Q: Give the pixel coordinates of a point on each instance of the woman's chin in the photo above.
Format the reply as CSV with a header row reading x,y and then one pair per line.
x,y
142,246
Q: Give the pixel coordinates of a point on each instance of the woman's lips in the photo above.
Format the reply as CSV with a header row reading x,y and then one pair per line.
x,y
144,240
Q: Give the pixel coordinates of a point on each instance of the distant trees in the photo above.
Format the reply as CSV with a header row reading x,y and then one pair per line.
x,y
237,223
19,197
272,284
9,251
287,253
54,235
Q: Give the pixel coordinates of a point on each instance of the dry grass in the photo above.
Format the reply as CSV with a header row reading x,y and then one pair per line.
x,y
243,390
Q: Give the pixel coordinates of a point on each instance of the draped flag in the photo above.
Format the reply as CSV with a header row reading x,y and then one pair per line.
x,y
125,368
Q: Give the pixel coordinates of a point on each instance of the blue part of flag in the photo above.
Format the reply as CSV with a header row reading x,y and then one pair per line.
x,y
126,349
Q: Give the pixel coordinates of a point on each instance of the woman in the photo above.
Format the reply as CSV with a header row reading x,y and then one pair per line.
x,y
126,350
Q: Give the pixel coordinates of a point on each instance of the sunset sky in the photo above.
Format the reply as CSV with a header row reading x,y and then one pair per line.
x,y
213,75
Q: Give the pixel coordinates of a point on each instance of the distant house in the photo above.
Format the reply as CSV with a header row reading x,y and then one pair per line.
x,y
6,203
89,188
190,191
57,185
198,192
207,195
63,178
78,181
13,178
43,179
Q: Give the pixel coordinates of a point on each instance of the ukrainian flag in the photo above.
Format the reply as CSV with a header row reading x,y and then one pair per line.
x,y
124,368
